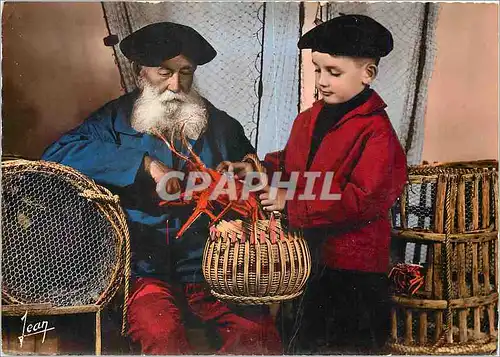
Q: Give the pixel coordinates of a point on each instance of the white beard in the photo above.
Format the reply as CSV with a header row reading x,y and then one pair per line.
x,y
169,113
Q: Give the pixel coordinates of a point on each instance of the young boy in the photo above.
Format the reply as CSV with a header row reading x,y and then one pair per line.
x,y
345,307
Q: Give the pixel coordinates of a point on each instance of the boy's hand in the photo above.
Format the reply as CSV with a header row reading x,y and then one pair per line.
x,y
240,169
276,203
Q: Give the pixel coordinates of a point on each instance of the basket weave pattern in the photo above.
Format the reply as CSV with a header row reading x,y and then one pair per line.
x,y
273,268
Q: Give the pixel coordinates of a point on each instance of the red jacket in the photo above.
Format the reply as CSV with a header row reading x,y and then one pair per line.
x,y
369,167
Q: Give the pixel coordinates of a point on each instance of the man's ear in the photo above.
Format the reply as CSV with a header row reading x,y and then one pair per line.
x,y
370,73
137,69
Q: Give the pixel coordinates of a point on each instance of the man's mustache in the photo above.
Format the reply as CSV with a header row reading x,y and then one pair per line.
x,y
169,96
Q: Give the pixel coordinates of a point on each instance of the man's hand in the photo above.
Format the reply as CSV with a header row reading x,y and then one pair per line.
x,y
156,169
276,203
240,169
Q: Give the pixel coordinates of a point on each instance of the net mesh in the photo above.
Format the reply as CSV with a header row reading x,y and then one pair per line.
x,y
419,206
57,247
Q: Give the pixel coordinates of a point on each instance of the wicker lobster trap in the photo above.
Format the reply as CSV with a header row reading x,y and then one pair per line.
x,y
448,216
271,267
65,242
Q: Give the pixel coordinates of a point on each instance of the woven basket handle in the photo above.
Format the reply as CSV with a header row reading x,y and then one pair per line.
x,y
258,167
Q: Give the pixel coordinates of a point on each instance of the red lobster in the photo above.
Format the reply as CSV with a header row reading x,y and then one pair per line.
x,y
407,278
246,208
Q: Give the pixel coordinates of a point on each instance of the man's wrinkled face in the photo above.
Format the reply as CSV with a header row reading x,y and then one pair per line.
x,y
167,104
175,75
339,78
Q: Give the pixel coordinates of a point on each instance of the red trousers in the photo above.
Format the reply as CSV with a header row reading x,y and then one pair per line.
x,y
155,320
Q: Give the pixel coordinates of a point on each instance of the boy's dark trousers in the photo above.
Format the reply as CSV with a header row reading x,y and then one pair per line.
x,y
341,312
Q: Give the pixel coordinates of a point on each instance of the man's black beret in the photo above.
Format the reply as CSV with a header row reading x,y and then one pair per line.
x,y
155,43
349,35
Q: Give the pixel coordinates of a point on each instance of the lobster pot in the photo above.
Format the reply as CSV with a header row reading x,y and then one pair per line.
x,y
64,238
65,242
447,214
271,267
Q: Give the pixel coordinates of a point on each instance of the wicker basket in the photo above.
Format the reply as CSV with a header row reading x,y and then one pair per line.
x,y
448,213
273,267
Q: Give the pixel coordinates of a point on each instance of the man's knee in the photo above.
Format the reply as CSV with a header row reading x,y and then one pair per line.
x,y
151,324
155,321
149,316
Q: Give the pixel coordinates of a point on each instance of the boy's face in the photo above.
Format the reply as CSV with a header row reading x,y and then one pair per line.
x,y
339,78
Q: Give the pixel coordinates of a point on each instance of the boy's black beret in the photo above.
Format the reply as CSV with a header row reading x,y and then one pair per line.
x,y
155,43
349,35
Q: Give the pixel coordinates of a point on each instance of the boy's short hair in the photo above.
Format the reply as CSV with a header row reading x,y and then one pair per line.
x,y
351,36
362,61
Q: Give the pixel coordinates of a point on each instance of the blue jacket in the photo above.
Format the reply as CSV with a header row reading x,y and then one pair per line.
x,y
107,149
